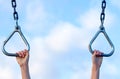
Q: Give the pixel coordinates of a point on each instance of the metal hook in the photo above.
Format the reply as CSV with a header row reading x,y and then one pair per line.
x,y
102,30
17,29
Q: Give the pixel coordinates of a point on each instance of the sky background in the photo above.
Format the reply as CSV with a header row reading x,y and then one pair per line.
x,y
59,32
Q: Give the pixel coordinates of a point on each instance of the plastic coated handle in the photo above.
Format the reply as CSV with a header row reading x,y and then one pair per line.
x,y
108,39
22,36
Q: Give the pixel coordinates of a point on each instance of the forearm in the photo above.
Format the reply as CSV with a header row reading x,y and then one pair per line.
x,y
95,73
25,72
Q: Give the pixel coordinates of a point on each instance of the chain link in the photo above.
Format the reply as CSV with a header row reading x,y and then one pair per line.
x,y
15,13
102,16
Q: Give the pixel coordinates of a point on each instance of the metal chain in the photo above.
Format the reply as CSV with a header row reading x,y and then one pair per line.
x,y
102,16
15,13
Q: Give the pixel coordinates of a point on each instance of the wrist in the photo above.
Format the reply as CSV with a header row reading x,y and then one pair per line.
x,y
25,65
95,68
24,68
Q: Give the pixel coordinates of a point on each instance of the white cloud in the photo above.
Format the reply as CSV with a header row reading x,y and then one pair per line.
x,y
62,37
82,71
41,60
108,66
6,73
35,15
43,49
90,19
81,74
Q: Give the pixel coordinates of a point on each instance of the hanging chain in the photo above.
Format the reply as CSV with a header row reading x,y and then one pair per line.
x,y
102,16
15,13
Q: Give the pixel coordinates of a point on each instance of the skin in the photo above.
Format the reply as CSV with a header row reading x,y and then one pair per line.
x,y
23,59
96,64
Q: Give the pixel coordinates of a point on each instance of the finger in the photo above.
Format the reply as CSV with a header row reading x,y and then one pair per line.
x,y
99,53
19,54
24,53
94,52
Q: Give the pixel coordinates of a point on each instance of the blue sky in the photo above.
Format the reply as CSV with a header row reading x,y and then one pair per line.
x,y
59,33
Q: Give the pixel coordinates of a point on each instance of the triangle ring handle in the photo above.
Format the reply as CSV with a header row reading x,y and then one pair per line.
x,y
108,39
23,38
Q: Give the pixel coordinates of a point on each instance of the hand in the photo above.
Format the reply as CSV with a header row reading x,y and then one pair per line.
x,y
23,57
97,59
